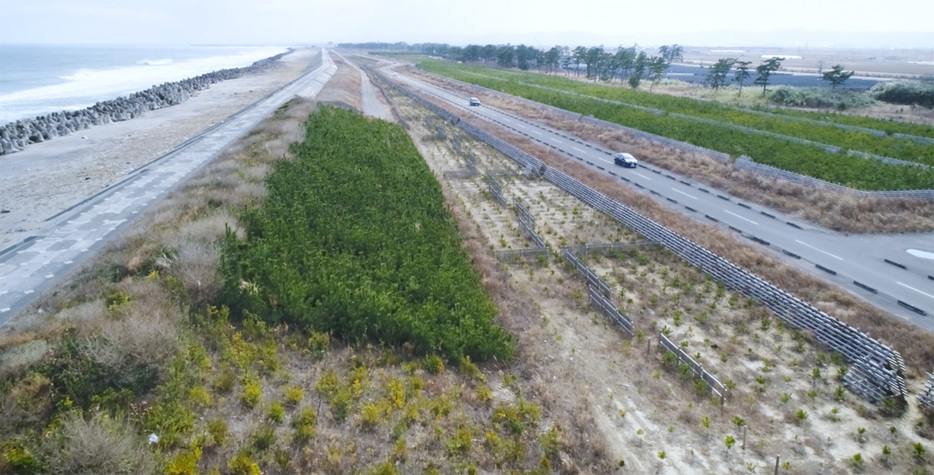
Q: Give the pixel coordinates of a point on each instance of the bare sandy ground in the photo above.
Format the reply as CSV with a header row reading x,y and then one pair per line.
x,y
49,177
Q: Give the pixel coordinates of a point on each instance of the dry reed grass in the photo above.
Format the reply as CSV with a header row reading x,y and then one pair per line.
x,y
96,444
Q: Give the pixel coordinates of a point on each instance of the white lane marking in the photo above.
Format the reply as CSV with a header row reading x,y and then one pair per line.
x,y
579,150
556,140
520,125
818,250
29,291
49,276
921,254
679,191
4,309
740,217
643,176
916,290
537,132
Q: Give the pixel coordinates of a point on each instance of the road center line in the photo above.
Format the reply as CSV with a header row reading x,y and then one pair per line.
x,y
520,125
818,250
555,140
740,217
916,290
679,191
537,132
643,176
579,150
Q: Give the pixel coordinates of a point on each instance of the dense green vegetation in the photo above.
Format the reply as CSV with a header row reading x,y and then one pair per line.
x,y
354,239
797,157
908,93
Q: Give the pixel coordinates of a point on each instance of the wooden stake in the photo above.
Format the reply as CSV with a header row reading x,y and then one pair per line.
x,y
744,437
777,458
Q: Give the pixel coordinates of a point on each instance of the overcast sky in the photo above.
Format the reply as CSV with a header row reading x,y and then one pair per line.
x,y
540,23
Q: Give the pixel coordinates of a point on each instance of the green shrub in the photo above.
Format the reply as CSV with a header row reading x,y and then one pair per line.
x,y
18,458
293,395
217,428
276,412
242,464
252,393
304,425
815,97
905,92
82,368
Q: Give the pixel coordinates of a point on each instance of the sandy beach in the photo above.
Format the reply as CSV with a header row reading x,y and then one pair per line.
x,y
49,177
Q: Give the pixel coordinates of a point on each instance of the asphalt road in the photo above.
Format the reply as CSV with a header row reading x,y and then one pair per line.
x,y
880,269
37,263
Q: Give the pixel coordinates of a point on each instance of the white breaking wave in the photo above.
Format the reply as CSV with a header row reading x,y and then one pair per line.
x,y
155,62
87,86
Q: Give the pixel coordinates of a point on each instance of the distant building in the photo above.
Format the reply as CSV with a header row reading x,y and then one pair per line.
x,y
781,56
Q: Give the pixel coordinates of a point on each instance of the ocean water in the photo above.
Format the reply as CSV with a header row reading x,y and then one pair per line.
x,y
36,80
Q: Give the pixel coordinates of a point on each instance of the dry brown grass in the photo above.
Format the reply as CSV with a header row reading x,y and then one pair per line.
x,y
98,444
837,210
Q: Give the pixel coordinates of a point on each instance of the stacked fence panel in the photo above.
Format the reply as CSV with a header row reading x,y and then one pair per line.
x,y
926,398
496,189
697,369
880,368
610,310
527,223
588,274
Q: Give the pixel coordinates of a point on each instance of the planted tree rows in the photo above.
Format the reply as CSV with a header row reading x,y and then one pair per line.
x,y
354,239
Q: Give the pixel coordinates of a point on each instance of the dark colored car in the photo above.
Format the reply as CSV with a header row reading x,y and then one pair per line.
x,y
625,160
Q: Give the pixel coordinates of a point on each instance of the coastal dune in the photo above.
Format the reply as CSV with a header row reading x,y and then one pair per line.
x,y
49,176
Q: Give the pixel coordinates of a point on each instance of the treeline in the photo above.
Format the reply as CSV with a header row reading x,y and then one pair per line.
x,y
631,64
354,240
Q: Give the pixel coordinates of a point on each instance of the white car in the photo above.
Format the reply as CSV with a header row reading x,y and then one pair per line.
x,y
474,101
625,160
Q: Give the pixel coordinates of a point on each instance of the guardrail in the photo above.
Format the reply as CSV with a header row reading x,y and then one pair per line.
x,y
878,369
697,370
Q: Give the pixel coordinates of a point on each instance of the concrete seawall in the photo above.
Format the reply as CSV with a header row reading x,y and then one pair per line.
x,y
15,136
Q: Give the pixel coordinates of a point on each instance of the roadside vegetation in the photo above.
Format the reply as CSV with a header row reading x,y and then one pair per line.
x,y
717,127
